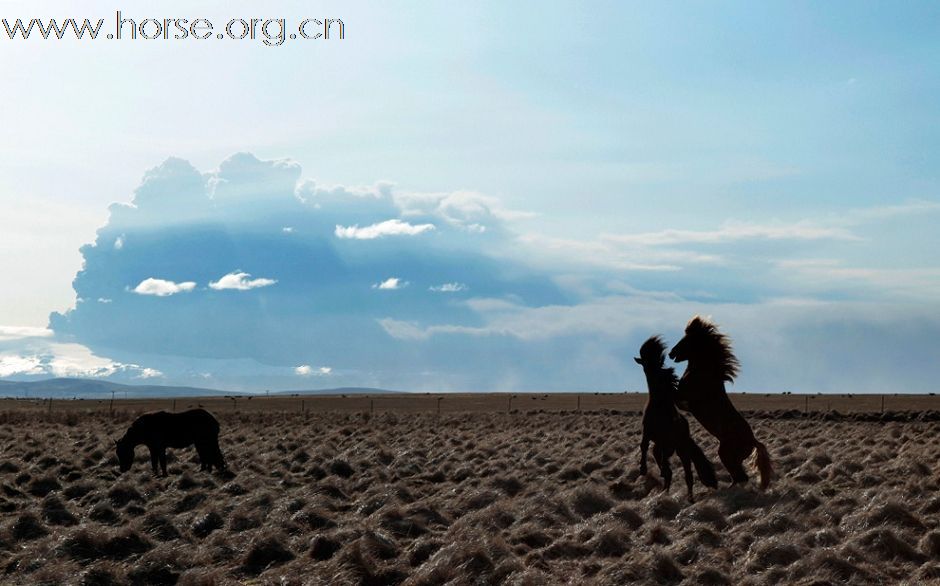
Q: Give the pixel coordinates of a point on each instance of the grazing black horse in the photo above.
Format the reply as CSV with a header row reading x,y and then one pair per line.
x,y
161,430
702,393
664,425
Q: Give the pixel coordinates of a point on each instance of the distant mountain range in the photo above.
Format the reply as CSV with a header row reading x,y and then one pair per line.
x,y
81,388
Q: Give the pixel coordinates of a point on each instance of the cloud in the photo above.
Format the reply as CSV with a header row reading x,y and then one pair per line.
x,y
390,284
735,231
607,254
240,281
448,288
323,310
12,365
468,210
877,213
162,288
784,344
543,312
608,316
44,358
307,370
8,333
897,282
387,228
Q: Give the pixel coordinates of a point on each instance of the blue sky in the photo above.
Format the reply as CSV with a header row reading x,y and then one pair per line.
x,y
494,197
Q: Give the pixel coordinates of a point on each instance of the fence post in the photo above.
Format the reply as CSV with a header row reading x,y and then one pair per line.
x,y
50,404
579,402
111,405
882,403
371,407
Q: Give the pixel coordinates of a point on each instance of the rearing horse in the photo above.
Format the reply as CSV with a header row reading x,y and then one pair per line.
x,y
664,425
702,393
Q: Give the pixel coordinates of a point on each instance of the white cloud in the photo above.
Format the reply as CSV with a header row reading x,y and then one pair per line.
x,y
678,249
307,370
240,281
875,213
162,288
8,333
11,365
448,288
571,253
468,210
901,282
310,192
119,242
387,228
287,229
65,360
104,300
733,231
612,317
390,284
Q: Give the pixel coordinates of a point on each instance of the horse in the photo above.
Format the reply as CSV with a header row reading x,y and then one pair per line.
x,y
664,425
161,430
701,392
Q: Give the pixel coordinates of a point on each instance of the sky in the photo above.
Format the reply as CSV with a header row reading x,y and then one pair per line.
x,y
497,196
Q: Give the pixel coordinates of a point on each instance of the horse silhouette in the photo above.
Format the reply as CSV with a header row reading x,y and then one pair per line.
x,y
664,425
161,430
701,392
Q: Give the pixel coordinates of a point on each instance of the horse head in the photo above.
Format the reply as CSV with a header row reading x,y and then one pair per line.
x,y
692,340
125,453
652,353
704,343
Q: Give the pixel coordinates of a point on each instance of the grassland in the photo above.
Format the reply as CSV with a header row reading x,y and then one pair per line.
x,y
384,490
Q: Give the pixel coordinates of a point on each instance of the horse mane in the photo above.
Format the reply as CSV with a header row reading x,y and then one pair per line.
x,y
653,352
718,349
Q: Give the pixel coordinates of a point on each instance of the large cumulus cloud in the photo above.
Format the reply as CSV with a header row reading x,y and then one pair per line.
x,y
249,263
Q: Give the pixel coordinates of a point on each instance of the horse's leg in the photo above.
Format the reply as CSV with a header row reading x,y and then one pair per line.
x,y
163,460
219,458
730,456
644,447
687,467
662,458
203,454
154,459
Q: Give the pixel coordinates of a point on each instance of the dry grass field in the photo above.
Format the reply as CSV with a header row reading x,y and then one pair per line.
x,y
340,491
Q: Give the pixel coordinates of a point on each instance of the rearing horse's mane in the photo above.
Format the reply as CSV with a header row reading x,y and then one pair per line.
x,y
717,348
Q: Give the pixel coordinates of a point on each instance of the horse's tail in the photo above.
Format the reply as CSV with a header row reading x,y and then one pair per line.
x,y
764,465
703,466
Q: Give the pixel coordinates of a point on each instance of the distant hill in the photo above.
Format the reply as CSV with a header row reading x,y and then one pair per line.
x,y
83,388
337,391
